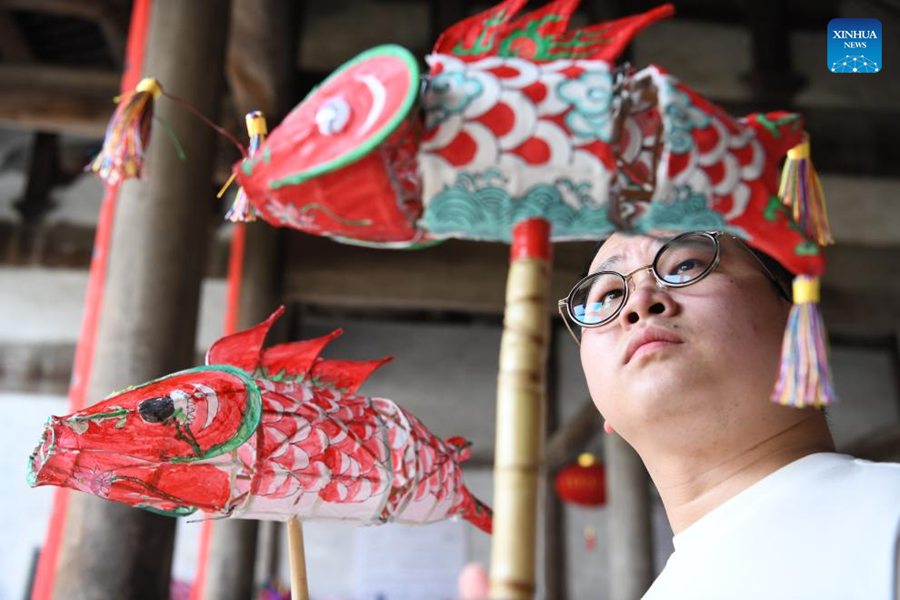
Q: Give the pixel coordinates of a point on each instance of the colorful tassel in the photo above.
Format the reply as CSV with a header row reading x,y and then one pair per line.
x,y
242,211
801,191
804,378
127,135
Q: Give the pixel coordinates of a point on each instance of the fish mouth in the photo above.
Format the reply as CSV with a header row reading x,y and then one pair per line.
x,y
41,454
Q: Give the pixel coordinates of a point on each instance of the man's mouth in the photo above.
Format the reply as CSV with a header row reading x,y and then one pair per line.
x,y
648,339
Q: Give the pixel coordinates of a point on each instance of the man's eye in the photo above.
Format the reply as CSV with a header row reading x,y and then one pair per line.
x,y
686,265
685,271
611,296
607,297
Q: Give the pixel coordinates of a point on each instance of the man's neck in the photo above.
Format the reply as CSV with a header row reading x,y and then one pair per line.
x,y
692,484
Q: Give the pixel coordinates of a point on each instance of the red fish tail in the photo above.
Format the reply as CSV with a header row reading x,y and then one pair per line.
x,y
477,512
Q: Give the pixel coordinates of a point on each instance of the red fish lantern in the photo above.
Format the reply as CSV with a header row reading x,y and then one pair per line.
x,y
261,433
583,483
514,121
343,162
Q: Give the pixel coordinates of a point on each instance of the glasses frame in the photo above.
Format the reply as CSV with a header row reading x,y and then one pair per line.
x,y
564,305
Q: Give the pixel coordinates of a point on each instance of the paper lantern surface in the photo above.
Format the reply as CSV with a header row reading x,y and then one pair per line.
x,y
515,122
260,433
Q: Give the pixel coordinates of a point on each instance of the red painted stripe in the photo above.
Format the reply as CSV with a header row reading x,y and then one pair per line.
x,y
531,239
235,277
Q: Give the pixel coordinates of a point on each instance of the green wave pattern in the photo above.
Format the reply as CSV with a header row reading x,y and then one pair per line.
x,y
687,211
477,207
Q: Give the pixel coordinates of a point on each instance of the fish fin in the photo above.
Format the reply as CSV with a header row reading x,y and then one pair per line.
x,y
462,446
552,18
496,32
466,32
346,374
242,349
607,40
295,359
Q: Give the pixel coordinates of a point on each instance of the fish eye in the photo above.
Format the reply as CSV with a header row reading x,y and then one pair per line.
x,y
156,410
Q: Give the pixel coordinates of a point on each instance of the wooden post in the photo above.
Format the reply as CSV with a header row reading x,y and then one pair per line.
x,y
232,551
299,585
43,174
520,399
554,546
260,69
628,510
150,312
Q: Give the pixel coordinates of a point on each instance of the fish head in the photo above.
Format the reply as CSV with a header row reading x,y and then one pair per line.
x,y
165,445
343,162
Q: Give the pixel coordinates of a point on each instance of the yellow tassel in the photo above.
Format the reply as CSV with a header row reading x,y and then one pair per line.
x,y
801,191
804,376
127,135
242,210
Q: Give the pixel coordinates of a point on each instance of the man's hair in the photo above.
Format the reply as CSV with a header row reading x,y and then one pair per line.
x,y
783,279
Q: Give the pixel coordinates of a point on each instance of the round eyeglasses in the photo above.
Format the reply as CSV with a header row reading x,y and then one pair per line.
x,y
682,261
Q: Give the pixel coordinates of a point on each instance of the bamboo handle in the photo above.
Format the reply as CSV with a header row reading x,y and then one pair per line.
x,y
299,584
520,399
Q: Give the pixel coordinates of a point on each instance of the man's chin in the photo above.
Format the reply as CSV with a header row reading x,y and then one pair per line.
x,y
654,392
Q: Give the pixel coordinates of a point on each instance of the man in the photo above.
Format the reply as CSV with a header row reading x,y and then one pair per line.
x,y
680,343
685,340
760,504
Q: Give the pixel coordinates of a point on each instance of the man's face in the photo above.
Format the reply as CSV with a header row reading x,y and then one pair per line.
x,y
712,366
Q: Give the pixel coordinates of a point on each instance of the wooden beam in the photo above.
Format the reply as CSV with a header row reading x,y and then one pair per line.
x,y
864,146
111,16
92,10
453,276
57,99
13,47
861,294
861,210
36,367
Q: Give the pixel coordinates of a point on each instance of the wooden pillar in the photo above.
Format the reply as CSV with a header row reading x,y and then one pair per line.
x,y
43,173
232,553
148,325
554,546
628,509
261,72
772,74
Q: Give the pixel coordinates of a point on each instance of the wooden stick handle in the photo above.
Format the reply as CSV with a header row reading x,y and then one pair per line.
x,y
299,584
520,399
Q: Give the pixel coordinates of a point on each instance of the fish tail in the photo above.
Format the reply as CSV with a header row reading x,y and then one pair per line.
x,y
477,512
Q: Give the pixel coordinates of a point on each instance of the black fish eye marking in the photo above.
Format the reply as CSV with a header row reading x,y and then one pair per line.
x,y
156,410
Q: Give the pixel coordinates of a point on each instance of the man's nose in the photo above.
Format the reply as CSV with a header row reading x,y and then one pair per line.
x,y
646,298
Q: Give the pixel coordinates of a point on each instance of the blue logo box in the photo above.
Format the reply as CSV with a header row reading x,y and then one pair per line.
x,y
854,46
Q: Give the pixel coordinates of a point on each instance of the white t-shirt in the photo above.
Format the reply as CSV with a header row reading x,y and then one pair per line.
x,y
824,527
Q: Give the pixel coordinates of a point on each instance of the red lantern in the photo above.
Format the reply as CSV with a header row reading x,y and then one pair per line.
x,y
583,483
